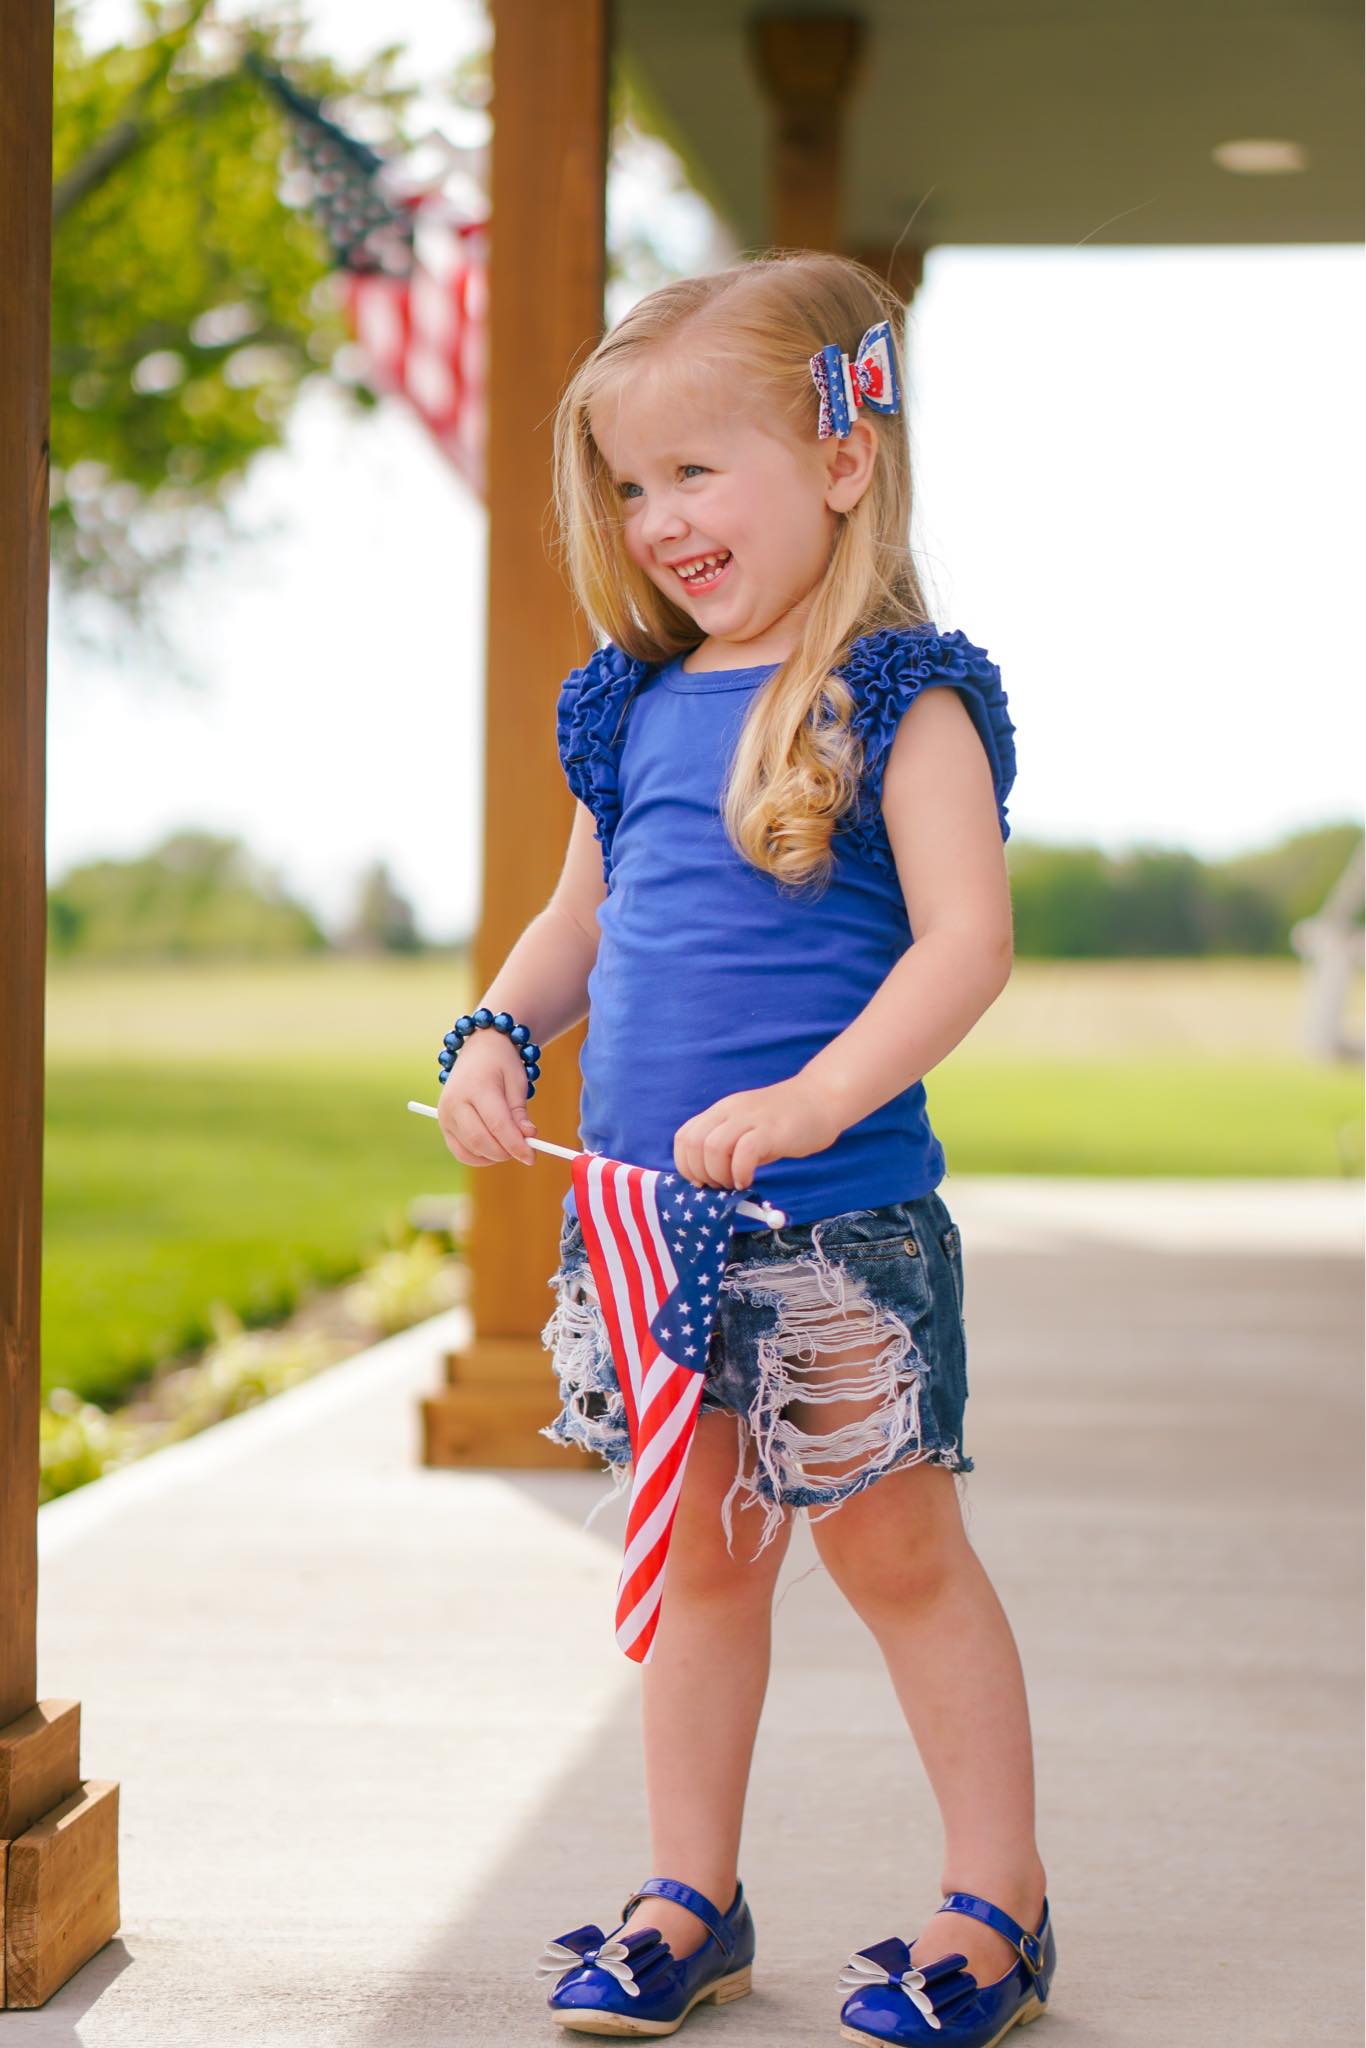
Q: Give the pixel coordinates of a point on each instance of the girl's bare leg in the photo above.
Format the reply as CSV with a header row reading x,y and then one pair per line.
x,y
901,1556
703,1690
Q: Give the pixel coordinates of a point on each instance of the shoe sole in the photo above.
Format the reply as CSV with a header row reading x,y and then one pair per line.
x,y
1021,2017
722,1991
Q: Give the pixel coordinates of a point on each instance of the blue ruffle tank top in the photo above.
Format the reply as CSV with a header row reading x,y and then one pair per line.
x,y
709,978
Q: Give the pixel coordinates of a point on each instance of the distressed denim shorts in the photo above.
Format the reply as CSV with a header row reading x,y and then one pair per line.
x,y
839,1344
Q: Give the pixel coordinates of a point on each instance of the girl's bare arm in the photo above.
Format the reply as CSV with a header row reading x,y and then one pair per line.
x,y
543,983
940,811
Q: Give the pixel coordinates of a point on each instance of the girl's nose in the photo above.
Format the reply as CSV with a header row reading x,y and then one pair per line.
x,y
662,523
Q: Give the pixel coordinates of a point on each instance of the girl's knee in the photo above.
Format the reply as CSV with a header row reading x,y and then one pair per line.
x,y
896,1541
708,1572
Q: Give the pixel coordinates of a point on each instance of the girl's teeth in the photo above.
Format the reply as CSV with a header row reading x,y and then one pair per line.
x,y
699,571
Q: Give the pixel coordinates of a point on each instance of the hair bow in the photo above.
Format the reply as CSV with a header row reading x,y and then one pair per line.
x,y
869,380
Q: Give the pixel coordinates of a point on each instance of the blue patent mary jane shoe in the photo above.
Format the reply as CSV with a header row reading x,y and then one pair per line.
x,y
892,1999
634,1983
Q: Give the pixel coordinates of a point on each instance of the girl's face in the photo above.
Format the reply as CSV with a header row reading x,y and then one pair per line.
x,y
699,476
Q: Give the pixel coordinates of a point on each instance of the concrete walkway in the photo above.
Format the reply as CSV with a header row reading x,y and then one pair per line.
x,y
376,1744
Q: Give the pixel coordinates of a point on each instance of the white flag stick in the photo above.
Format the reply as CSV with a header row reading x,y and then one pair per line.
x,y
765,1211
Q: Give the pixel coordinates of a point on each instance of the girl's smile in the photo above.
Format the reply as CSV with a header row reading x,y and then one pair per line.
x,y
703,572
687,463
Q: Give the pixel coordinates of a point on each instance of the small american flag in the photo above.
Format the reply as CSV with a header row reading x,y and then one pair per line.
x,y
657,1246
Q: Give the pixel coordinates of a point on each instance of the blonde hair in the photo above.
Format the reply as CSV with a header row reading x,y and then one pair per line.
x,y
797,763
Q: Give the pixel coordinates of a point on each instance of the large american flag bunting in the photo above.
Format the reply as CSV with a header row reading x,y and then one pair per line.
x,y
657,1246
413,272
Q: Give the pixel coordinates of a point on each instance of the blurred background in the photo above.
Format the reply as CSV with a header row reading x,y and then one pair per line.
x,y
1137,486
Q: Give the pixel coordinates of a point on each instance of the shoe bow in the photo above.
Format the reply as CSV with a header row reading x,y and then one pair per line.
x,y
936,1992
630,1958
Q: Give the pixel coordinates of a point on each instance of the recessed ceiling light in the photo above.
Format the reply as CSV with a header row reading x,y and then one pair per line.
x,y
1260,156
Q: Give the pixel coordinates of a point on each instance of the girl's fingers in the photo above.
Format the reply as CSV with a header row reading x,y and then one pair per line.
x,y
481,1147
504,1121
708,1161
718,1153
498,1129
479,1114
445,1123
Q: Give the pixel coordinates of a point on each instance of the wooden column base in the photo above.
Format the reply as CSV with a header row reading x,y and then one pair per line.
x,y
59,1834
500,1391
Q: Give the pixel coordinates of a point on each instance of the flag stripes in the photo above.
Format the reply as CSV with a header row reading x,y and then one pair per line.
x,y
652,1270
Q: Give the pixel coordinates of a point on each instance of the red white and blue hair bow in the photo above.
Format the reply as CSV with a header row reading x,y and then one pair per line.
x,y
844,387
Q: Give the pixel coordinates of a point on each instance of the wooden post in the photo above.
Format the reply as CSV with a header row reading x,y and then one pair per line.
x,y
25,263
547,264
808,68
58,1834
806,65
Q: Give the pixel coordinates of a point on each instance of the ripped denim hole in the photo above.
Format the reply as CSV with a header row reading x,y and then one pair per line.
x,y
593,1416
832,1347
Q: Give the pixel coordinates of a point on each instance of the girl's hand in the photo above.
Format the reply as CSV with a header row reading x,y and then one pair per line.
x,y
482,1107
724,1146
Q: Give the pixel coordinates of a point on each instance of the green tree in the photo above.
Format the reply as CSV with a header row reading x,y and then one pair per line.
x,y
195,896
191,296
383,920
1077,902
1297,873
1062,899
1159,903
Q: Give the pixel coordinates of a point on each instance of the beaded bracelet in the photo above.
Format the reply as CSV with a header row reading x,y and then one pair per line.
x,y
517,1034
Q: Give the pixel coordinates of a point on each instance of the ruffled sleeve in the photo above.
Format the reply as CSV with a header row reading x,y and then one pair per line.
x,y
587,731
887,671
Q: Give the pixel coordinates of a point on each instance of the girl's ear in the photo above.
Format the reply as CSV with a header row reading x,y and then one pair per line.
x,y
849,466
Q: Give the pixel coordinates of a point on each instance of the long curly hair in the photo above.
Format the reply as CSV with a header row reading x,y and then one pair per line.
x,y
796,766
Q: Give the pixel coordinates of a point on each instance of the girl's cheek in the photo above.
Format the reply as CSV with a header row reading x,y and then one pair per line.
x,y
631,540
642,560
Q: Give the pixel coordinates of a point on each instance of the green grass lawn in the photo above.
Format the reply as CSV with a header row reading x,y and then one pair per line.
x,y
234,1135
1184,1117
167,1190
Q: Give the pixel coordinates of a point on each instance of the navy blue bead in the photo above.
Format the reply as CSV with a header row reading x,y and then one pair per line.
x,y
502,1022
519,1034
483,1018
533,1072
464,1025
445,1059
529,1093
452,1041
531,1052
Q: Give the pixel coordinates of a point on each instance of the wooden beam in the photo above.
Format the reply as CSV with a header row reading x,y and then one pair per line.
x,y
547,271
58,1837
25,317
807,66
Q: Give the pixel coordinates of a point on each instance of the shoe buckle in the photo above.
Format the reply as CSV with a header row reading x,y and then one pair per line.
x,y
1031,1951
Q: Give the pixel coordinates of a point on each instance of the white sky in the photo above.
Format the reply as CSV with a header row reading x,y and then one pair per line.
x,y
1137,476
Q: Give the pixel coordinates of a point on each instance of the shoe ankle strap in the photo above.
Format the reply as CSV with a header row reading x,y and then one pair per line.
x,y
1028,1945
684,1895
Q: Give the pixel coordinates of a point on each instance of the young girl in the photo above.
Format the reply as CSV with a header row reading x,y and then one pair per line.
x,y
773,797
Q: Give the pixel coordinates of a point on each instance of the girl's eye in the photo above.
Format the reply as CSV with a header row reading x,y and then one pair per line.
x,y
624,489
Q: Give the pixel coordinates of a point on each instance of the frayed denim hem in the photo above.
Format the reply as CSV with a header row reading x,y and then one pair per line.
x,y
831,1343
828,1342
593,1413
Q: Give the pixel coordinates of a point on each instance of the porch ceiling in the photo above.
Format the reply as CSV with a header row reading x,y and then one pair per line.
x,y
1010,122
